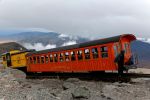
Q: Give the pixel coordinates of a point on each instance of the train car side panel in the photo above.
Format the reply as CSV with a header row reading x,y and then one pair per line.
x,y
83,62
18,60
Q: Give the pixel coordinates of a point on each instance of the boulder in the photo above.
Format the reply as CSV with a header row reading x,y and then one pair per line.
x,y
81,92
68,85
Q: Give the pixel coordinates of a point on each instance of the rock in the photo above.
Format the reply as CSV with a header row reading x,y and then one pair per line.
x,y
26,86
81,92
68,85
70,89
7,86
103,96
18,74
72,80
140,80
2,98
43,94
13,74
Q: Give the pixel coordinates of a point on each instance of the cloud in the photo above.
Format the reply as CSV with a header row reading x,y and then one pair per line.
x,y
69,43
38,46
147,40
88,18
63,36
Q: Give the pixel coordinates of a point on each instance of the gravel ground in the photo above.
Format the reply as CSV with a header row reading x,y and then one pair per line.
x,y
14,86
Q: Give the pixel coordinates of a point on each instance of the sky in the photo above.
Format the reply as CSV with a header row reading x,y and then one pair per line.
x,y
86,18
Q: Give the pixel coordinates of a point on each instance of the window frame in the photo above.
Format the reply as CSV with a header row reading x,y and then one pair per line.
x,y
93,53
30,60
126,48
51,58
78,51
104,53
55,57
42,59
38,59
87,54
47,58
115,49
67,56
34,60
61,57
73,56
4,58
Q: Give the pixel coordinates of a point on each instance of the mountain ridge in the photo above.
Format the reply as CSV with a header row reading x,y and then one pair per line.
x,y
44,38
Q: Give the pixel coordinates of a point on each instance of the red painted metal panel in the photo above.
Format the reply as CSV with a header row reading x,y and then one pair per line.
x,y
99,64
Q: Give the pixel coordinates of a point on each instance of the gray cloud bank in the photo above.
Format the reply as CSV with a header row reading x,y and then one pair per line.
x,y
89,18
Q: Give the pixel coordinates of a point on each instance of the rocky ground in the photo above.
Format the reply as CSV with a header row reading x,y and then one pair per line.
x,y
140,70
14,86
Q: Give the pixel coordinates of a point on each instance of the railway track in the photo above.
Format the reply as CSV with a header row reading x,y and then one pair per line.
x,y
108,77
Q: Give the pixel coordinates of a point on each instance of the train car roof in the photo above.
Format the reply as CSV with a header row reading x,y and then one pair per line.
x,y
86,44
32,50
17,52
10,52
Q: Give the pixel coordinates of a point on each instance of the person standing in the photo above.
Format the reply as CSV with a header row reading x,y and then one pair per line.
x,y
120,61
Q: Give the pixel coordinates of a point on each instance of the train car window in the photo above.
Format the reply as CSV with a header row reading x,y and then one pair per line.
x,y
28,61
126,48
4,59
42,59
8,56
38,59
46,58
34,60
129,49
95,53
51,58
115,50
104,52
67,56
104,49
55,57
80,56
61,57
87,53
31,60
73,57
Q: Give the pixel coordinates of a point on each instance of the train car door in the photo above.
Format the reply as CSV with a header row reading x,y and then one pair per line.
x,y
126,48
105,57
116,48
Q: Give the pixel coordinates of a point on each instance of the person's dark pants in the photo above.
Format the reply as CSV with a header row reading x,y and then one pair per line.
x,y
120,71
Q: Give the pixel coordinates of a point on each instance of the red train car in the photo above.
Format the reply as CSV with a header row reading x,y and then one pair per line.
x,y
97,55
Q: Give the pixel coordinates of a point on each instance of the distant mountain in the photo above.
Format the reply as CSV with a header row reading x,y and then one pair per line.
x,y
142,49
44,38
6,47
